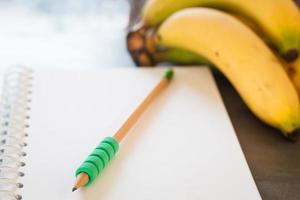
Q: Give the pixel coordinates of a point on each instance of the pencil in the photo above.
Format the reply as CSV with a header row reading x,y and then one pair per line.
x,y
99,158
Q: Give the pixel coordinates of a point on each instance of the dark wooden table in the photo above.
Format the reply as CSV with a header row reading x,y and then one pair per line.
x,y
273,161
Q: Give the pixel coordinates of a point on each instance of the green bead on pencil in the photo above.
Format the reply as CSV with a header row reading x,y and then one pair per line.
x,y
107,148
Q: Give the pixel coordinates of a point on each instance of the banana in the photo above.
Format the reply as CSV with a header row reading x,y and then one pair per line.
x,y
278,20
178,56
184,57
294,73
242,57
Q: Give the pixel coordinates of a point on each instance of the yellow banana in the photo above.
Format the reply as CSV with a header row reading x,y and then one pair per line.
x,y
294,73
279,20
242,57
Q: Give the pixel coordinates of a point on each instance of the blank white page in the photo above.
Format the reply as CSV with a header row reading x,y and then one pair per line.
x,y
182,148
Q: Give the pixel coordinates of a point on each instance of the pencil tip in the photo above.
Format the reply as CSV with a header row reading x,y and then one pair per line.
x,y
74,189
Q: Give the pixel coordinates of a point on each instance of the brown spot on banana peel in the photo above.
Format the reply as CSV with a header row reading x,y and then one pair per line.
x,y
291,71
291,55
292,136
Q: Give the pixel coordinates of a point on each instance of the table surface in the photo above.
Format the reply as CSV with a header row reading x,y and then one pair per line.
x,y
273,161
77,34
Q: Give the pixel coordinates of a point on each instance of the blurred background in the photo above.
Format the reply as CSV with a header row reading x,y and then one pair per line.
x,y
63,33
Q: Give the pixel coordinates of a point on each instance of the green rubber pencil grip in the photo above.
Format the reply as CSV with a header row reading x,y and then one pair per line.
x,y
98,159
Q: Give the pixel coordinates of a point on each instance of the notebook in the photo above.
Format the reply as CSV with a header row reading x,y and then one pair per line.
x,y
182,148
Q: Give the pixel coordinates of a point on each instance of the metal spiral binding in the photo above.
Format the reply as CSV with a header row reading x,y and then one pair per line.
x,y
14,107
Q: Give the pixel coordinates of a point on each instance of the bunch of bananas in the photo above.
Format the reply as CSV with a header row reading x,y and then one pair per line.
x,y
255,44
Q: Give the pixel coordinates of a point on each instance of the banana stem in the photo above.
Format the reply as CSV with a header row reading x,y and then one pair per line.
x,y
145,50
140,47
179,56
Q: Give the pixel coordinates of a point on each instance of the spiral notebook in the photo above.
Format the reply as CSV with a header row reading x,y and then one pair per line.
x,y
182,148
